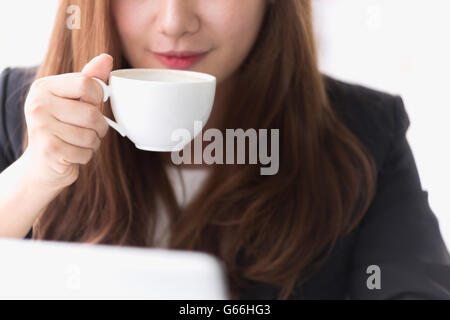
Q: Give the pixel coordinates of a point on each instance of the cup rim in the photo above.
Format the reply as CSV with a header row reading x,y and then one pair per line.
x,y
202,77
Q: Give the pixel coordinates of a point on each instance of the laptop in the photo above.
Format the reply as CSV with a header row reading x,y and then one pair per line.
x,y
40,269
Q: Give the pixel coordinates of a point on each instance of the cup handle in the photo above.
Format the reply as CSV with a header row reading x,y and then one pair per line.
x,y
106,95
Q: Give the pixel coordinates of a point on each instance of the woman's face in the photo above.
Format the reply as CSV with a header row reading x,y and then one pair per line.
x,y
211,36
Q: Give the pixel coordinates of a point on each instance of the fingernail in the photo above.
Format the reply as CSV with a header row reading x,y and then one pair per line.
x,y
105,54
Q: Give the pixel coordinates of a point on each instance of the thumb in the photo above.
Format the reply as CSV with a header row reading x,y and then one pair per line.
x,y
99,67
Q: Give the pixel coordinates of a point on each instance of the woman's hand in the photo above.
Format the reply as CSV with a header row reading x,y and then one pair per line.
x,y
65,126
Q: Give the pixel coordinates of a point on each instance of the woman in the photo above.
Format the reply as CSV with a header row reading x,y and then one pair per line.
x,y
344,217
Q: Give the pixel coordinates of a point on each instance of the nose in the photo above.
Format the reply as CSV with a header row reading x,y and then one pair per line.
x,y
176,18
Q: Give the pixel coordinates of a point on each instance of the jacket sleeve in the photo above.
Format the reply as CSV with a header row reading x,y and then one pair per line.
x,y
11,91
399,251
5,144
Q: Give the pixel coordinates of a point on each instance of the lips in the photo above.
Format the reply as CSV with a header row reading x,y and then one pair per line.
x,y
180,59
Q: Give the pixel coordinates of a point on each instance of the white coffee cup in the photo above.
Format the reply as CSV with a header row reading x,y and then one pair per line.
x,y
150,104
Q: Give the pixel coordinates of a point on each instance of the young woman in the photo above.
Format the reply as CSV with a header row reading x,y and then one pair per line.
x,y
344,217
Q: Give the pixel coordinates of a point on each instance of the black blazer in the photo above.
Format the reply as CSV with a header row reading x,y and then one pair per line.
x,y
399,232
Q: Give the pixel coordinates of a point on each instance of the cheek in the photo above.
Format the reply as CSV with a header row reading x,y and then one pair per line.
x,y
239,36
236,29
130,19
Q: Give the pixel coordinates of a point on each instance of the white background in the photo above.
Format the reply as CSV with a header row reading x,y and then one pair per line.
x,y
399,46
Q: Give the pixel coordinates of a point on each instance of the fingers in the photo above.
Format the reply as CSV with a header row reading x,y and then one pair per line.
x,y
81,85
64,124
99,67
74,135
79,137
73,86
61,153
72,112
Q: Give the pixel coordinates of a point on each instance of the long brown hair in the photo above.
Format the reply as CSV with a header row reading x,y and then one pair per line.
x,y
270,229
